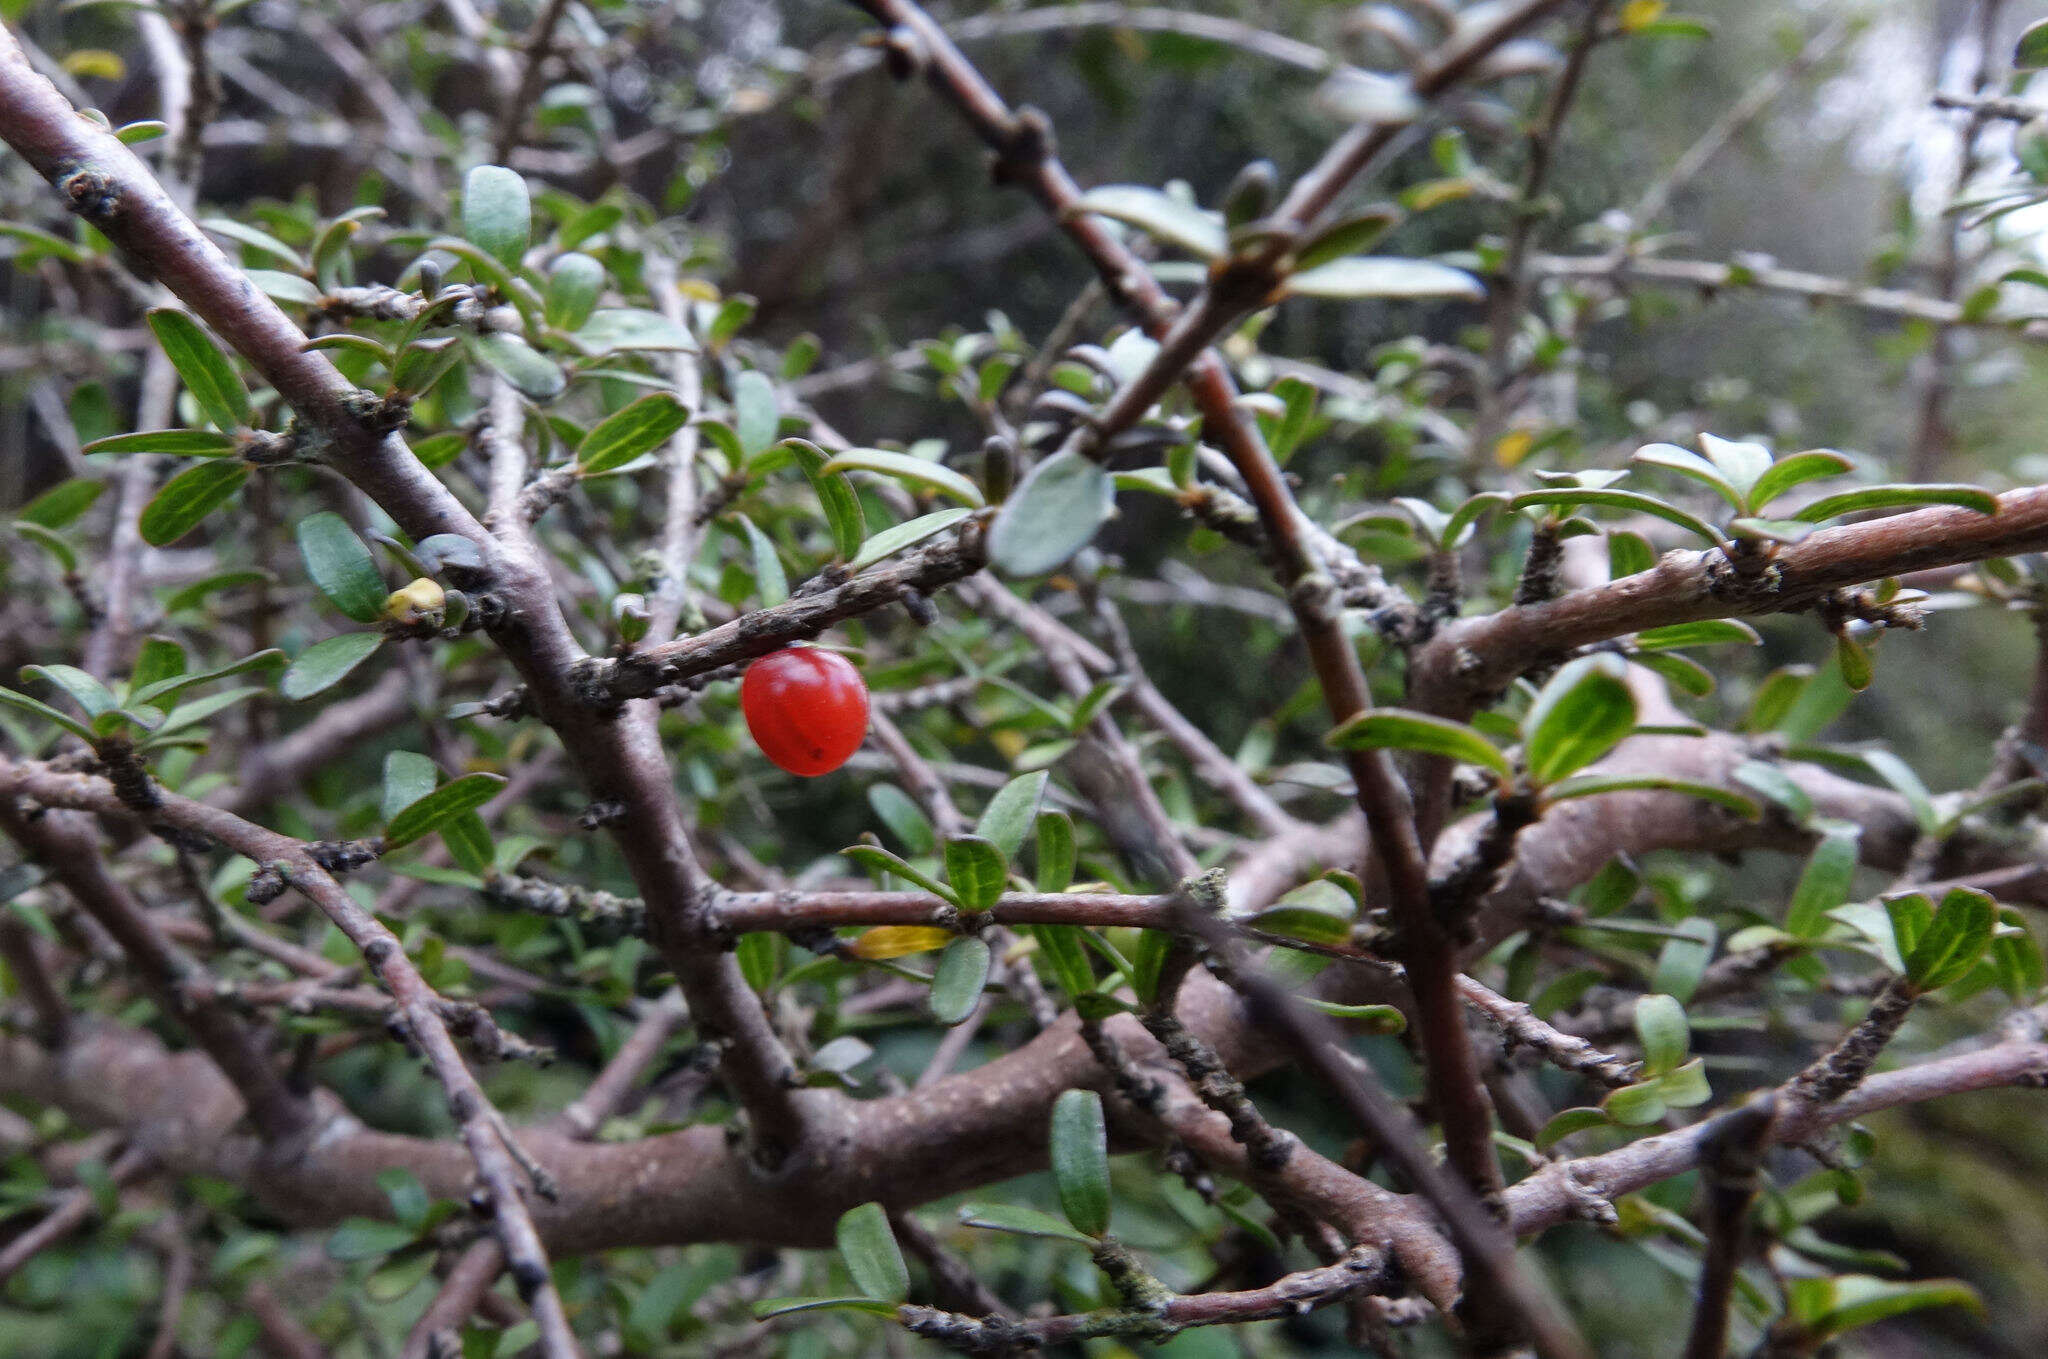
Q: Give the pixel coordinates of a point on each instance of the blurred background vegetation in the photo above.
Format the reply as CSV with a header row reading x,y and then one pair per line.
x,y
858,214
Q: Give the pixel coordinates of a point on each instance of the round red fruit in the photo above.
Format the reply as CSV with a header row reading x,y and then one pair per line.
x,y
807,708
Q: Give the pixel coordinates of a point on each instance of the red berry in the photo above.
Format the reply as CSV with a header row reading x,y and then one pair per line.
x,y
807,708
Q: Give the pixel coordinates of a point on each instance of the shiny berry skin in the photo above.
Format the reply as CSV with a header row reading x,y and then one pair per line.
x,y
807,708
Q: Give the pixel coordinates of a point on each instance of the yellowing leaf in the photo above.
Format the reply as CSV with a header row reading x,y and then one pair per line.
x,y
94,63
1512,447
898,941
1638,13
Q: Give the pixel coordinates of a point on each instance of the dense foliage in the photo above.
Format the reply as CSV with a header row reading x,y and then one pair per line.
x,y
1390,816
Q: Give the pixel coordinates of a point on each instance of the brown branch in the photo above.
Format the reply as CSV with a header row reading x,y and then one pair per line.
x,y
1712,277
1732,1151
659,1020
1291,1295
1473,659
539,43
800,618
456,1300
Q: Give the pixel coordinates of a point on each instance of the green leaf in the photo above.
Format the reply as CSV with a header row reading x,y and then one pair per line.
x,y
496,212
341,566
448,801
631,328
1634,1105
469,843
158,659
1080,1160
423,363
958,980
1831,1306
199,709
1684,958
188,498
1568,1122
1009,814
54,544
193,595
1361,231
1628,553
1054,513
574,283
906,467
1889,497
1380,1019
1686,1087
1591,785
872,856
1853,659
895,538
872,1257
782,1307
1662,1029
516,361
978,871
181,443
323,665
1954,941
1618,500
1792,471
289,289
771,583
172,684
1909,914
1372,276
1740,462
408,777
624,435
62,503
1688,463
1706,632
14,698
1581,714
904,818
362,1238
835,496
1824,883
80,687
1689,675
1401,729
756,413
1888,766
408,1198
205,371
1018,1220
2030,53
1055,865
1066,957
1158,215
399,1275
1309,923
